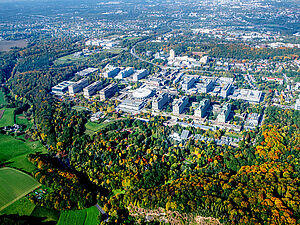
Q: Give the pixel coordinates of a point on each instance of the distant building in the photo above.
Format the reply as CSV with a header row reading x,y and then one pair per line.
x,y
86,72
92,89
111,72
78,86
180,104
225,112
188,83
226,90
108,91
159,102
178,78
297,105
201,111
125,73
61,88
172,54
204,59
140,74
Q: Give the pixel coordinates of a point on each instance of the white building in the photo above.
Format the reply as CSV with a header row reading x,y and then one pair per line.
x,y
92,89
78,86
61,88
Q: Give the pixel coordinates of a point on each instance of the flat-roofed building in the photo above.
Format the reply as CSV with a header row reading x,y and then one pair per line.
x,y
86,72
226,90
61,88
159,102
111,72
131,105
140,74
92,89
225,112
78,86
108,91
252,121
180,104
188,83
125,73
248,95
201,111
297,104
207,86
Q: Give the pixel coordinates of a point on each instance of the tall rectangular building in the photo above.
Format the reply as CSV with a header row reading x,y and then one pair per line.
x,y
140,74
226,90
188,83
201,111
78,86
180,104
108,91
160,101
92,89
223,116
112,72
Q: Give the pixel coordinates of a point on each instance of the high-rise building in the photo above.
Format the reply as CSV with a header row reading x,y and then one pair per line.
x,y
225,112
111,72
78,86
140,74
172,54
201,111
108,91
226,90
188,83
125,73
159,102
180,104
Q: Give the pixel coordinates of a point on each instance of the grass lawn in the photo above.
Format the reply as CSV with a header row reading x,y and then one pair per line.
x,y
7,118
24,207
80,108
79,217
21,120
2,99
69,59
10,148
14,185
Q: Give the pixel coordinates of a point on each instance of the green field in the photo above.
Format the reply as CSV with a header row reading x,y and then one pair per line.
x,y
80,108
7,118
69,59
92,127
11,149
79,217
21,120
2,99
24,207
14,184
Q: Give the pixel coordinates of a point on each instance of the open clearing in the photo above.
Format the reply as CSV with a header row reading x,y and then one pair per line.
x,y
8,117
10,147
79,217
14,184
2,98
24,207
7,45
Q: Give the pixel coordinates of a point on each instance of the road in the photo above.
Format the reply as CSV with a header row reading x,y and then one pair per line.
x,y
104,214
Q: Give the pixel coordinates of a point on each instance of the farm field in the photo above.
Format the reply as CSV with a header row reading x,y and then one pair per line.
x,y
79,217
14,184
11,147
8,117
24,207
2,99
